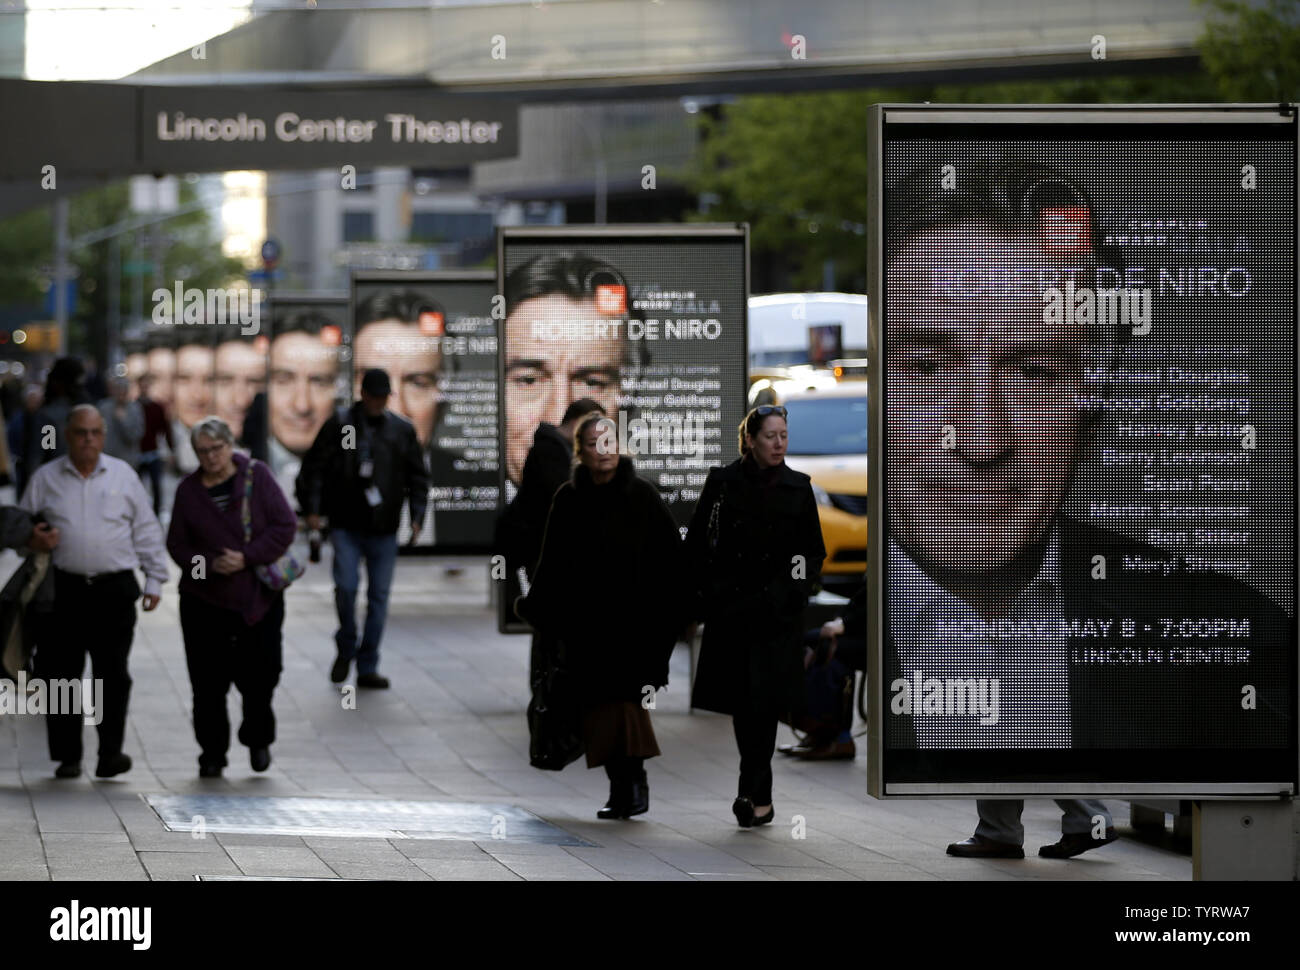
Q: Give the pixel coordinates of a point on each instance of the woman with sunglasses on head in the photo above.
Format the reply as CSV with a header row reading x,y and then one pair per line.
x,y
755,545
609,587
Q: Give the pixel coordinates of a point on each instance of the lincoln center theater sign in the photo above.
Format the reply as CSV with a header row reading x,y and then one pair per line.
x,y
110,130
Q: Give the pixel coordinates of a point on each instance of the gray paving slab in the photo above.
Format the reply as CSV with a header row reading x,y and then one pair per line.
x,y
23,872
125,871
170,866
377,871
278,860
446,849
466,870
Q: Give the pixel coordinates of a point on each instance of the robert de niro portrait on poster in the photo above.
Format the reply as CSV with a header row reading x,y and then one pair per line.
x,y
1011,620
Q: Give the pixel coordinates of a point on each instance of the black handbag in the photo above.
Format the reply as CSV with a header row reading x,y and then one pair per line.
x,y
828,701
554,716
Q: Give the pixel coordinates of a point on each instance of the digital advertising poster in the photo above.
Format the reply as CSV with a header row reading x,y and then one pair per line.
x,y
434,335
1084,580
650,323
200,366
307,376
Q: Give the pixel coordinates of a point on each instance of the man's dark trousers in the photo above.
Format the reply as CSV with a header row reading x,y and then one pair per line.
x,y
380,553
153,468
98,618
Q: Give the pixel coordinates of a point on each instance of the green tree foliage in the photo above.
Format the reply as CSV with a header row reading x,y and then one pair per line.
x,y
1253,51
795,168
191,252
789,164
25,248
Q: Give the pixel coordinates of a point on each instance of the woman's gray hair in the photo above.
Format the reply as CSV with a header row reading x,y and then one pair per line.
x,y
213,427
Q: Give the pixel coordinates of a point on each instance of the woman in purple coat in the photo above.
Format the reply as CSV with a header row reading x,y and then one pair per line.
x,y
230,620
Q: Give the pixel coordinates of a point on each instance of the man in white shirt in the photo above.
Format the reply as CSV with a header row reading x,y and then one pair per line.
x,y
107,529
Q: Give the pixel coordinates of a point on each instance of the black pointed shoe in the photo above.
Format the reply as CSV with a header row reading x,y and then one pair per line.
x,y
69,769
339,671
114,764
210,769
764,819
1077,843
978,847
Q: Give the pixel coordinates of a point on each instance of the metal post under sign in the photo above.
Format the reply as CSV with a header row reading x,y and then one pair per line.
x,y
1243,840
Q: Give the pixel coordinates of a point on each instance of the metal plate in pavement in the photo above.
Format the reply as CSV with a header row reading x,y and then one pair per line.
x,y
356,818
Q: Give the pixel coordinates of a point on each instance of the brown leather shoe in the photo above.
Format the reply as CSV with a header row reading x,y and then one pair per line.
x,y
835,751
978,847
1076,844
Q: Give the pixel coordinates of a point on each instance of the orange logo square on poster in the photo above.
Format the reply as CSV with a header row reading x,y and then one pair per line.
x,y
261,344
331,335
1065,229
611,299
431,323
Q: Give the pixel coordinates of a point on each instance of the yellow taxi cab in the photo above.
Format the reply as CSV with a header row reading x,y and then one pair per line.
x,y
828,443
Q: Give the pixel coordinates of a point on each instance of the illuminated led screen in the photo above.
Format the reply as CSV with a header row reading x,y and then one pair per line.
x,y
1087,570
435,336
306,377
199,370
649,322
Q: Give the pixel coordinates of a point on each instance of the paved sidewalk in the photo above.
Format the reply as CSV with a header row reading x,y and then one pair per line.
x,y
452,729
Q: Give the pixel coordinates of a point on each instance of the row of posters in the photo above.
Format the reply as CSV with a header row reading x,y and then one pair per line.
x,y
650,322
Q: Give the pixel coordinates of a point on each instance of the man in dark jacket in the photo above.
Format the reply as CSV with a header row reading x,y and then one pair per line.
x,y
64,390
364,463
156,426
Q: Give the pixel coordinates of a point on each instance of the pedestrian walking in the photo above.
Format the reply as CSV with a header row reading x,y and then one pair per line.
x,y
1086,824
106,531
19,431
363,465
230,516
548,466
155,424
123,422
64,390
755,546
608,588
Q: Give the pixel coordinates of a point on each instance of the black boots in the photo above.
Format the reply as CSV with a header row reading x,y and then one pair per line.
x,y
629,790
639,797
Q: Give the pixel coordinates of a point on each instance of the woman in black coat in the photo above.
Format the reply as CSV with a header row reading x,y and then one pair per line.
x,y
755,546
608,587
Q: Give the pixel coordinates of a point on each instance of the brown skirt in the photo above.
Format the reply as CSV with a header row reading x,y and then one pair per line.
x,y
618,728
